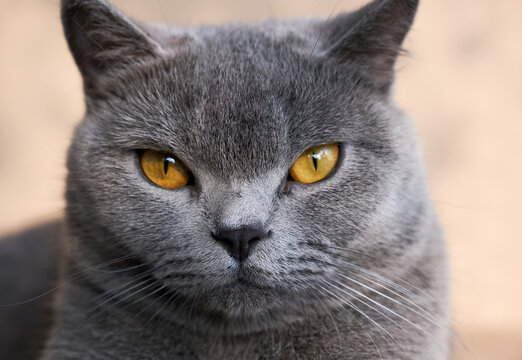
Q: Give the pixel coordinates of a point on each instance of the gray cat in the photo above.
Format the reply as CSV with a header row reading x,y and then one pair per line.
x,y
247,192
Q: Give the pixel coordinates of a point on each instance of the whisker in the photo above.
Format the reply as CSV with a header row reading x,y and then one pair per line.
x,y
310,21
362,327
329,313
172,297
349,288
323,28
353,306
75,276
164,17
422,312
369,307
149,294
122,286
123,270
394,285
116,296
403,293
352,251
148,306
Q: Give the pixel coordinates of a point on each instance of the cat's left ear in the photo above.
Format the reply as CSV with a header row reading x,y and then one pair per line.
x,y
370,39
102,39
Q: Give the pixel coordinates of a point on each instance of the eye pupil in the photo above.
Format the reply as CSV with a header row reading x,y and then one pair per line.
x,y
314,160
165,165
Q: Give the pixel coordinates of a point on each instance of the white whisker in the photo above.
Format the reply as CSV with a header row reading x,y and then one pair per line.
x,y
117,296
353,306
423,315
358,323
349,288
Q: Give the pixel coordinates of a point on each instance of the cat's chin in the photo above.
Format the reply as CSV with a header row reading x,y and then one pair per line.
x,y
241,298
244,301
243,307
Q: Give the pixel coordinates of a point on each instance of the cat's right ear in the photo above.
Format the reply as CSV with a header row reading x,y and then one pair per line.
x,y
102,39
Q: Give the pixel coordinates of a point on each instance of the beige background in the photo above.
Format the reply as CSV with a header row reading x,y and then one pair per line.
x,y
462,83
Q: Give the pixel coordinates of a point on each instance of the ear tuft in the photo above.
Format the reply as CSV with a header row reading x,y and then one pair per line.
x,y
102,39
371,38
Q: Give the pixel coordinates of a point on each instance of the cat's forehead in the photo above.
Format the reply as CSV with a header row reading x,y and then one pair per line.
x,y
242,100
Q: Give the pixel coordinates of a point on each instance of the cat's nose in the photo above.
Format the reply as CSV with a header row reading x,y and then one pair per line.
x,y
239,241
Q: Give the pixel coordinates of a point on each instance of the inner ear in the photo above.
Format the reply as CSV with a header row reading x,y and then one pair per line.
x,y
370,39
103,39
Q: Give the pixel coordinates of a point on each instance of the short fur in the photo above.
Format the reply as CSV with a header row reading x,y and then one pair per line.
x,y
354,266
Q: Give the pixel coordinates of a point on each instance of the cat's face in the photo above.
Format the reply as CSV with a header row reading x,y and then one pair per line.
x,y
238,105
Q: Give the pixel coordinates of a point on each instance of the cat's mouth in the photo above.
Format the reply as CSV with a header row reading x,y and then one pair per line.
x,y
248,277
244,282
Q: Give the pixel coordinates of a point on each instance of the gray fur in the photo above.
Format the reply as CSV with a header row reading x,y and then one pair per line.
x,y
29,269
238,104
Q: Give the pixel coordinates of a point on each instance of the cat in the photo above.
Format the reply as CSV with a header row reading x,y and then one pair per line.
x,y
247,191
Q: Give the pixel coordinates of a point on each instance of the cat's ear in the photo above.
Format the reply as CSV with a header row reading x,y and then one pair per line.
x,y
371,38
103,39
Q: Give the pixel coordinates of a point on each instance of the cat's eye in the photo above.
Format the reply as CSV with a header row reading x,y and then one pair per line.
x,y
164,170
315,164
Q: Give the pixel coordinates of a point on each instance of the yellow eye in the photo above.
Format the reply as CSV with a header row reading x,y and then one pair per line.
x,y
315,164
164,170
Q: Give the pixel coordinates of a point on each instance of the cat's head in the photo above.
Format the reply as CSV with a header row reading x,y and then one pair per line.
x,y
238,238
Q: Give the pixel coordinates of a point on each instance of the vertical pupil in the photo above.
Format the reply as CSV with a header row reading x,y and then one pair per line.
x,y
166,165
314,160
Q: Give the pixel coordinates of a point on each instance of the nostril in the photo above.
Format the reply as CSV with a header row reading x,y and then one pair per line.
x,y
220,238
239,241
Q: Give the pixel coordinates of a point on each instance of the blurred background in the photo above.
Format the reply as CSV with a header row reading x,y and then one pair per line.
x,y
462,82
